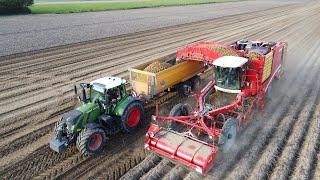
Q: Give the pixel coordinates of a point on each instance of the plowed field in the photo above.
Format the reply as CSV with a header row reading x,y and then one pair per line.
x,y
284,143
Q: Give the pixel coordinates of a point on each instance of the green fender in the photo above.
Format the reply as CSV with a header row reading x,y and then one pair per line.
x,y
121,105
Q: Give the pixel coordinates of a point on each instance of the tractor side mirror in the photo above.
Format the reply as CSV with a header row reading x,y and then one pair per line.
x,y
75,89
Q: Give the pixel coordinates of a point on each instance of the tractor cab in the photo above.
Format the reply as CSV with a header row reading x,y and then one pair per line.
x,y
107,91
228,73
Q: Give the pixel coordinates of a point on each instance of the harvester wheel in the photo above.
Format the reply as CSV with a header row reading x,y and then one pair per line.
x,y
132,117
91,141
228,136
178,110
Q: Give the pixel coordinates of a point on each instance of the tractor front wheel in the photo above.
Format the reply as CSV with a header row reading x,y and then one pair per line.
x,y
132,117
91,141
59,127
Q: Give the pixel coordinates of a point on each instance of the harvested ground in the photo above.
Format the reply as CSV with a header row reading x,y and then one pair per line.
x,y
282,144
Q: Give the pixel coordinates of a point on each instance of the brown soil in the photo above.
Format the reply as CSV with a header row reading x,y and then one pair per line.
x,y
37,88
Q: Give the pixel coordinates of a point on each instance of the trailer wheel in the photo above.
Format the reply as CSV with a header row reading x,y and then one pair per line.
x,y
195,87
178,110
228,136
185,88
132,117
91,141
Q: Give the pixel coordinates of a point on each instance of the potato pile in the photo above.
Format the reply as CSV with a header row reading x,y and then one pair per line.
x,y
157,66
253,55
223,50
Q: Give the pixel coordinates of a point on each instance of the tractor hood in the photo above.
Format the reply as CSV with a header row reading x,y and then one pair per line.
x,y
86,107
71,116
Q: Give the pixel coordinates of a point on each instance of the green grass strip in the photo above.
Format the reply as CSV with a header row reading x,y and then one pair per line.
x,y
103,6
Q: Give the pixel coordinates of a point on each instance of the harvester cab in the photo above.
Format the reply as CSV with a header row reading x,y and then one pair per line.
x,y
106,109
229,71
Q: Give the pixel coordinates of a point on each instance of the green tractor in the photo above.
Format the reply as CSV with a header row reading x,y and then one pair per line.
x,y
107,109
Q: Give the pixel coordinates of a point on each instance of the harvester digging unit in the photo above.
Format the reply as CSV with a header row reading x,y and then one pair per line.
x,y
241,83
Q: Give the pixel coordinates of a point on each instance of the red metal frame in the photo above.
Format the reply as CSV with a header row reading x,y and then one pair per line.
x,y
252,87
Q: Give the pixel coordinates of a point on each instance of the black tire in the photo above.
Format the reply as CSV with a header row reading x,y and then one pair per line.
x,y
195,81
91,141
228,136
178,110
128,123
185,88
59,127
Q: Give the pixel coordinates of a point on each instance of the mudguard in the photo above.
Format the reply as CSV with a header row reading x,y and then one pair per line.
x,y
119,109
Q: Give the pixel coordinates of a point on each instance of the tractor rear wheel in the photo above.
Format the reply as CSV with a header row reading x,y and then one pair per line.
x,y
178,110
228,136
132,117
91,141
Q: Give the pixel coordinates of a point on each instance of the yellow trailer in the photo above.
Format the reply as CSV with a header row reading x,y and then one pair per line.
x,y
182,74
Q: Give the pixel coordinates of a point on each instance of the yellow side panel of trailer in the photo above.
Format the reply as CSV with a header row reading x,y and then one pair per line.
x,y
142,82
267,68
150,84
177,73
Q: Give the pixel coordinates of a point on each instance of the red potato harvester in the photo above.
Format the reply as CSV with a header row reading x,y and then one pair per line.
x,y
241,83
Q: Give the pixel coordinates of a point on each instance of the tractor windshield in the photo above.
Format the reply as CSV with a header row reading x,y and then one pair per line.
x,y
228,78
97,90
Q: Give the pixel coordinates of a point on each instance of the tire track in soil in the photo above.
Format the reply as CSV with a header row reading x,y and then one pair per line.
x,y
306,160
287,157
267,161
144,166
